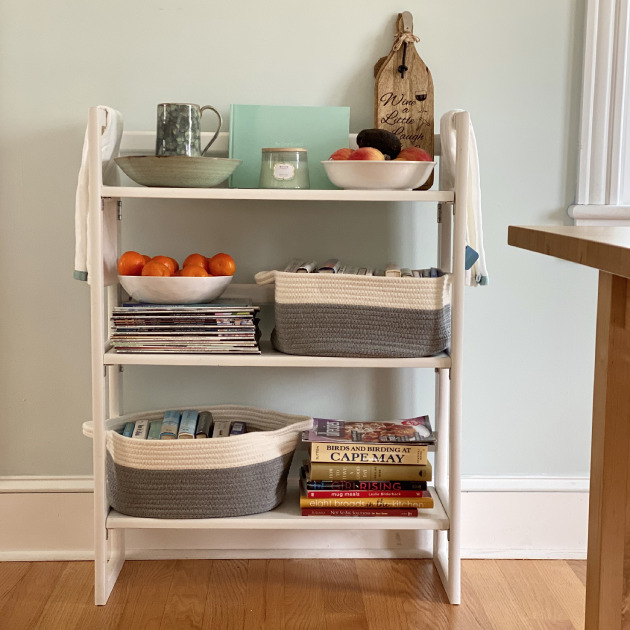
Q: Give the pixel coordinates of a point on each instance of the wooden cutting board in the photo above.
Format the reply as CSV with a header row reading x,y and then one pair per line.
x,y
403,92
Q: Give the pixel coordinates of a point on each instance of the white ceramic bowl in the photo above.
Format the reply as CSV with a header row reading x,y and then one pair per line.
x,y
377,174
175,289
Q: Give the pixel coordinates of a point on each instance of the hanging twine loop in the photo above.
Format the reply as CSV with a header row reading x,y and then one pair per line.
x,y
404,38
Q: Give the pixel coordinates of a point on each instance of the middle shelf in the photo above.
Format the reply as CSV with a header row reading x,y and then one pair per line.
x,y
272,358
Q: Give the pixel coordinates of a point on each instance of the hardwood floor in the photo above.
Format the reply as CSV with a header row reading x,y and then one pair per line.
x,y
294,595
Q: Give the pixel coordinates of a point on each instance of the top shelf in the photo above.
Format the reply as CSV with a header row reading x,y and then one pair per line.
x,y
143,143
142,192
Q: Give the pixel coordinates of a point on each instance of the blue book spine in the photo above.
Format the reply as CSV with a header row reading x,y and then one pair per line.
x,y
170,425
238,428
155,428
128,429
188,425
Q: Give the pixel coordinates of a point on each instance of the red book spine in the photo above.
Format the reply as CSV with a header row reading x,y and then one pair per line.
x,y
359,512
363,494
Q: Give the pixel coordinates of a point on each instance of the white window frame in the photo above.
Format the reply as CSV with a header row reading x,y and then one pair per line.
x,y
603,185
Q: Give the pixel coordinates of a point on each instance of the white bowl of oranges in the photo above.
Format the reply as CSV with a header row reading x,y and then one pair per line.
x,y
161,280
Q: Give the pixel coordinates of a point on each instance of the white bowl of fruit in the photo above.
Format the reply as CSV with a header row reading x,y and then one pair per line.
x,y
160,280
379,163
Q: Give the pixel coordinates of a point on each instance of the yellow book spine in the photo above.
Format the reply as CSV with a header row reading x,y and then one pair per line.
x,y
382,502
326,471
364,453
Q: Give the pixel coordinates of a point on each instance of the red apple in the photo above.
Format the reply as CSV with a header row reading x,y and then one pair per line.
x,y
341,154
366,153
414,154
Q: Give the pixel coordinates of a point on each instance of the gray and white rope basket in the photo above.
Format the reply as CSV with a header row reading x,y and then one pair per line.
x,y
359,316
205,478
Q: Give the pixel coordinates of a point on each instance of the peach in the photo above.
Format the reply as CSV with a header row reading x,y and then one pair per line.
x,y
341,154
366,153
414,154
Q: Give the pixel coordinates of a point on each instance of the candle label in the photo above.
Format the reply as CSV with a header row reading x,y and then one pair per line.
x,y
283,170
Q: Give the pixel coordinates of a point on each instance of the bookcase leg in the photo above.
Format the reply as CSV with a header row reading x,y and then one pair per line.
x,y
117,557
106,570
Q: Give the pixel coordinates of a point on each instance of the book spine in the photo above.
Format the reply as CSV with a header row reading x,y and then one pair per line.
x,y
307,266
170,425
322,471
155,428
358,512
349,269
364,453
205,424
141,430
330,266
372,486
392,270
418,502
366,494
221,428
238,428
188,425
293,265
128,429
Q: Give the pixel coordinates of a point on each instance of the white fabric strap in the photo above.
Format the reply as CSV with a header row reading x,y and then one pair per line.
x,y
111,134
478,273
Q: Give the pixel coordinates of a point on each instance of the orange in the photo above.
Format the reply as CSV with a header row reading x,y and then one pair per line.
x,y
155,268
169,262
222,265
196,259
146,258
193,271
130,264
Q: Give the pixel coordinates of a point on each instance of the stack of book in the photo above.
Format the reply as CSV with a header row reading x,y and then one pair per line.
x,y
367,468
188,424
227,326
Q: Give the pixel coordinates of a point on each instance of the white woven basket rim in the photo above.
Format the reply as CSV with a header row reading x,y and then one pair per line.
x,y
352,290
210,453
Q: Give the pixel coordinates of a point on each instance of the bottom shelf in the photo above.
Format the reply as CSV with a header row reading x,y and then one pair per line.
x,y
288,516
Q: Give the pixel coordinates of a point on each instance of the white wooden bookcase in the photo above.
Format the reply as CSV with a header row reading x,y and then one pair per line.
x,y
444,519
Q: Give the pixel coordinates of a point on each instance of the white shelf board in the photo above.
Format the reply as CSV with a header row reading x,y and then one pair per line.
x,y
261,194
288,516
272,358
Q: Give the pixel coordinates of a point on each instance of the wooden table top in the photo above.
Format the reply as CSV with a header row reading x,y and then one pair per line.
x,y
604,248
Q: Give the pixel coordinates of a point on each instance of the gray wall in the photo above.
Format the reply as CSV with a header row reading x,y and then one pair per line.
x,y
514,66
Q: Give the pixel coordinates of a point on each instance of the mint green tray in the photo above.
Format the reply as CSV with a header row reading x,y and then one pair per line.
x,y
320,130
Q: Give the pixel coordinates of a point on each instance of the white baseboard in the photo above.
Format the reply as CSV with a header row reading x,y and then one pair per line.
x,y
50,518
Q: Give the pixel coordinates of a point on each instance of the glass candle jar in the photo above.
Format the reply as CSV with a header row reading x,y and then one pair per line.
x,y
284,168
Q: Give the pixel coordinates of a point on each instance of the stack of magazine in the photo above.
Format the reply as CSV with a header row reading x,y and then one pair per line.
x,y
367,468
224,327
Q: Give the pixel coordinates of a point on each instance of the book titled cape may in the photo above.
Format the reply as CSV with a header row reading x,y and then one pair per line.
x,y
394,442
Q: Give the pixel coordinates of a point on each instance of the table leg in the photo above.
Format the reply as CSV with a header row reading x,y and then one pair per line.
x,y
608,558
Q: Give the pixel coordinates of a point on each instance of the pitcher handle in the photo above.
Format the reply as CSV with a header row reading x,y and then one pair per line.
x,y
218,128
